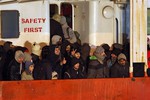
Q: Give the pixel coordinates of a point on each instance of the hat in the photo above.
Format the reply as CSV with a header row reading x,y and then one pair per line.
x,y
106,47
55,39
28,64
54,75
36,49
117,46
116,52
7,45
99,49
57,17
63,20
122,56
19,54
28,57
74,61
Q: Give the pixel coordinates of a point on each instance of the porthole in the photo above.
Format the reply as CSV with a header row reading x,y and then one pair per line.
x,y
108,12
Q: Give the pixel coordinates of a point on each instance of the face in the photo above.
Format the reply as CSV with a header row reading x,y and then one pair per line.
x,y
76,66
68,48
57,51
60,41
113,57
31,68
103,54
122,61
12,46
20,60
77,55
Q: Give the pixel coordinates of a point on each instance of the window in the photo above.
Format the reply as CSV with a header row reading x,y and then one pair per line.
x,y
9,24
66,10
53,9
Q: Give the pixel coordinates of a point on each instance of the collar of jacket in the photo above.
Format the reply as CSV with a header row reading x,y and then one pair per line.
x,y
93,58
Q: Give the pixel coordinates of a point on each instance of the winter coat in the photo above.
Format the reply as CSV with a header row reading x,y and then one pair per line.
x,y
2,61
8,57
97,70
118,70
55,61
74,74
85,51
26,75
42,70
69,33
35,58
55,29
15,72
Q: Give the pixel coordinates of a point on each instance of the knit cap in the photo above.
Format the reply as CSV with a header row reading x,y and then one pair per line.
x,y
116,52
99,50
74,61
28,64
106,46
63,20
122,56
19,54
55,39
118,46
28,57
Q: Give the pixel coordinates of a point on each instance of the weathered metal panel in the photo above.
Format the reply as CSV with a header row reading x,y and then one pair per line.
x,y
85,89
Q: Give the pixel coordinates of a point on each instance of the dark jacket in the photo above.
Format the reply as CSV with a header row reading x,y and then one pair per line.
x,y
97,70
74,74
2,61
35,58
55,61
119,71
55,29
8,57
14,71
42,70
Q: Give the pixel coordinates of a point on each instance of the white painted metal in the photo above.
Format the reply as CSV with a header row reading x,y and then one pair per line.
x,y
88,20
138,31
30,10
101,29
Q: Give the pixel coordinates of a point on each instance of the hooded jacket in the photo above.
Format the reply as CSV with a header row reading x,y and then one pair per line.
x,y
68,32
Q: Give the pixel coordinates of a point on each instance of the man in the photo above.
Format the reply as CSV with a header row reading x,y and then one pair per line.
x,y
97,67
16,66
121,67
55,27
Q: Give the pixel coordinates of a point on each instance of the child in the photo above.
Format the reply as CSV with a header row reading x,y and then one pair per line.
x,y
27,74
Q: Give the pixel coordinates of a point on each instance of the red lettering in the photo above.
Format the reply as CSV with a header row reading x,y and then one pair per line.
x,y
23,20
39,20
32,29
40,29
33,20
36,29
44,19
25,29
27,21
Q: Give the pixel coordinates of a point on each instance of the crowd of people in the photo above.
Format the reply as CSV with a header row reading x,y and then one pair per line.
x,y
64,58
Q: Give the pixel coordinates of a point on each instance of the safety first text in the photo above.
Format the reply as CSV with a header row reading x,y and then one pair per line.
x,y
33,21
